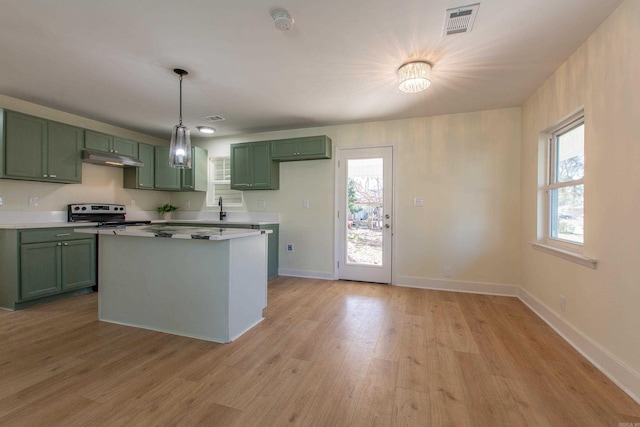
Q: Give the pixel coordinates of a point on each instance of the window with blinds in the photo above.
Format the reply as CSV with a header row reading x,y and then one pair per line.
x,y
220,183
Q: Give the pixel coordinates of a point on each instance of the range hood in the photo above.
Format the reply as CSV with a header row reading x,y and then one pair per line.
x,y
110,159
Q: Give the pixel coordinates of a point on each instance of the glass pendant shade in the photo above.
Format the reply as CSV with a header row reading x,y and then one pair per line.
x,y
414,76
180,148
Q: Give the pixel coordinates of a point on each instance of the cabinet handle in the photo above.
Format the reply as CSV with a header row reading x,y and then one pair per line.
x,y
59,244
53,176
45,176
65,244
63,234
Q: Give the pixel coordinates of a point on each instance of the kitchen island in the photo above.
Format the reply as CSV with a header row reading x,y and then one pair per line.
x,y
200,282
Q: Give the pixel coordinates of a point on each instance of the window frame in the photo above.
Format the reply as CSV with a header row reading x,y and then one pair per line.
x,y
211,199
552,183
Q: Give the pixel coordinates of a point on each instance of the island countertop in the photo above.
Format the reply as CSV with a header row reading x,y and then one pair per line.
x,y
176,232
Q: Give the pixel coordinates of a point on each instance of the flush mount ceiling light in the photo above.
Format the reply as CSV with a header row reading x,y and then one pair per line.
x,y
282,19
180,148
206,129
414,76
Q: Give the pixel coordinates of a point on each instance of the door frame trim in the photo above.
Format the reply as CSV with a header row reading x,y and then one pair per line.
x,y
336,204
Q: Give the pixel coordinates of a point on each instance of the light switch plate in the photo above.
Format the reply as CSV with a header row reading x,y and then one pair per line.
x,y
418,202
262,204
1,201
33,201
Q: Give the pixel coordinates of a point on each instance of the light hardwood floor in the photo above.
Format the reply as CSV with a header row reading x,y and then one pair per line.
x,y
327,354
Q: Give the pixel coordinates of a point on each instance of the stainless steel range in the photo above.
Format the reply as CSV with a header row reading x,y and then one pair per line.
x,y
106,215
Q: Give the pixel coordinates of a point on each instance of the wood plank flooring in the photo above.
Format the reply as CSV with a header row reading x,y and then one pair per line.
x,y
327,354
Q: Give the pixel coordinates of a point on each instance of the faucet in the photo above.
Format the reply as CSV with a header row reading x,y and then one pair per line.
x,y
222,214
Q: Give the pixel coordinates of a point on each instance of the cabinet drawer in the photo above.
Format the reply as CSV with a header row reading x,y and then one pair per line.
x,y
50,235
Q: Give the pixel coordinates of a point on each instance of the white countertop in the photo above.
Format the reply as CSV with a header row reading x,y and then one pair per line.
x,y
176,232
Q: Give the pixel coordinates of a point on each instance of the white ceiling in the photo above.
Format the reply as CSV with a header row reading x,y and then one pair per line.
x,y
112,60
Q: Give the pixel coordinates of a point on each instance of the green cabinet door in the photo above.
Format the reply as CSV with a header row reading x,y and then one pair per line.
x,y
41,150
98,141
125,147
146,172
39,269
262,167
307,148
110,144
141,177
166,177
78,264
64,146
240,166
252,167
195,179
25,150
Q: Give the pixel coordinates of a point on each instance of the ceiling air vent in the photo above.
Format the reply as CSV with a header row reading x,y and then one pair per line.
x,y
460,19
213,118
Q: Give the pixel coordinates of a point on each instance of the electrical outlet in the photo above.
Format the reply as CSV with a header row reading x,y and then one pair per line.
x,y
262,204
1,201
187,204
289,247
563,303
133,203
33,201
418,202
305,204
448,271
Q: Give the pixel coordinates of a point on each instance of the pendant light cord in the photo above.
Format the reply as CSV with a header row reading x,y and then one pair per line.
x,y
180,99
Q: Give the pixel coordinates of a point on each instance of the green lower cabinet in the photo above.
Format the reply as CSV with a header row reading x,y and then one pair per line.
x,y
78,264
54,267
44,264
40,270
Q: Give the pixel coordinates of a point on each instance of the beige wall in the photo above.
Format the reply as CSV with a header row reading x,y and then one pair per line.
x,y
602,76
464,166
99,183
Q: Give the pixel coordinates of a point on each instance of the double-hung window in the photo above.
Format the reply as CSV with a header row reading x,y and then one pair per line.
x,y
565,185
220,183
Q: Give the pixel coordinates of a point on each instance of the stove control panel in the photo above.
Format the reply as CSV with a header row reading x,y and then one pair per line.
x,y
97,209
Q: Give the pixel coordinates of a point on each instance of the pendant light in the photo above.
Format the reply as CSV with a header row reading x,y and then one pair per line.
x,y
180,148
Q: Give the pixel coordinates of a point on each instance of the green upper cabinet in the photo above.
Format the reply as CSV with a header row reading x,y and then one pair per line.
x,y
64,144
195,179
110,144
252,167
165,177
41,150
156,174
307,148
141,177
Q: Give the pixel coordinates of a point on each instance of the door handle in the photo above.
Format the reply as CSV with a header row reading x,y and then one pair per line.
x,y
387,226
387,216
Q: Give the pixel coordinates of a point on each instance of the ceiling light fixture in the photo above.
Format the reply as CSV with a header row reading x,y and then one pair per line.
x,y
282,19
180,148
414,76
206,129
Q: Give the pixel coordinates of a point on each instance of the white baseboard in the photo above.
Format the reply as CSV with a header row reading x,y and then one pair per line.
x,y
306,274
458,286
623,376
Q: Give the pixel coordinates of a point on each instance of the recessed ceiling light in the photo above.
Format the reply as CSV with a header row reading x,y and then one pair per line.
x,y
206,129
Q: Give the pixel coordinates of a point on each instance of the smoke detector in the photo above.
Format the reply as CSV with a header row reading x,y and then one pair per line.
x,y
283,20
460,19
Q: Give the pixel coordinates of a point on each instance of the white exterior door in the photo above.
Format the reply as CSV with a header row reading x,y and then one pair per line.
x,y
365,200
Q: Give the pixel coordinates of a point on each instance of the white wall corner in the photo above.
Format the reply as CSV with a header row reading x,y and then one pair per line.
x,y
623,376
